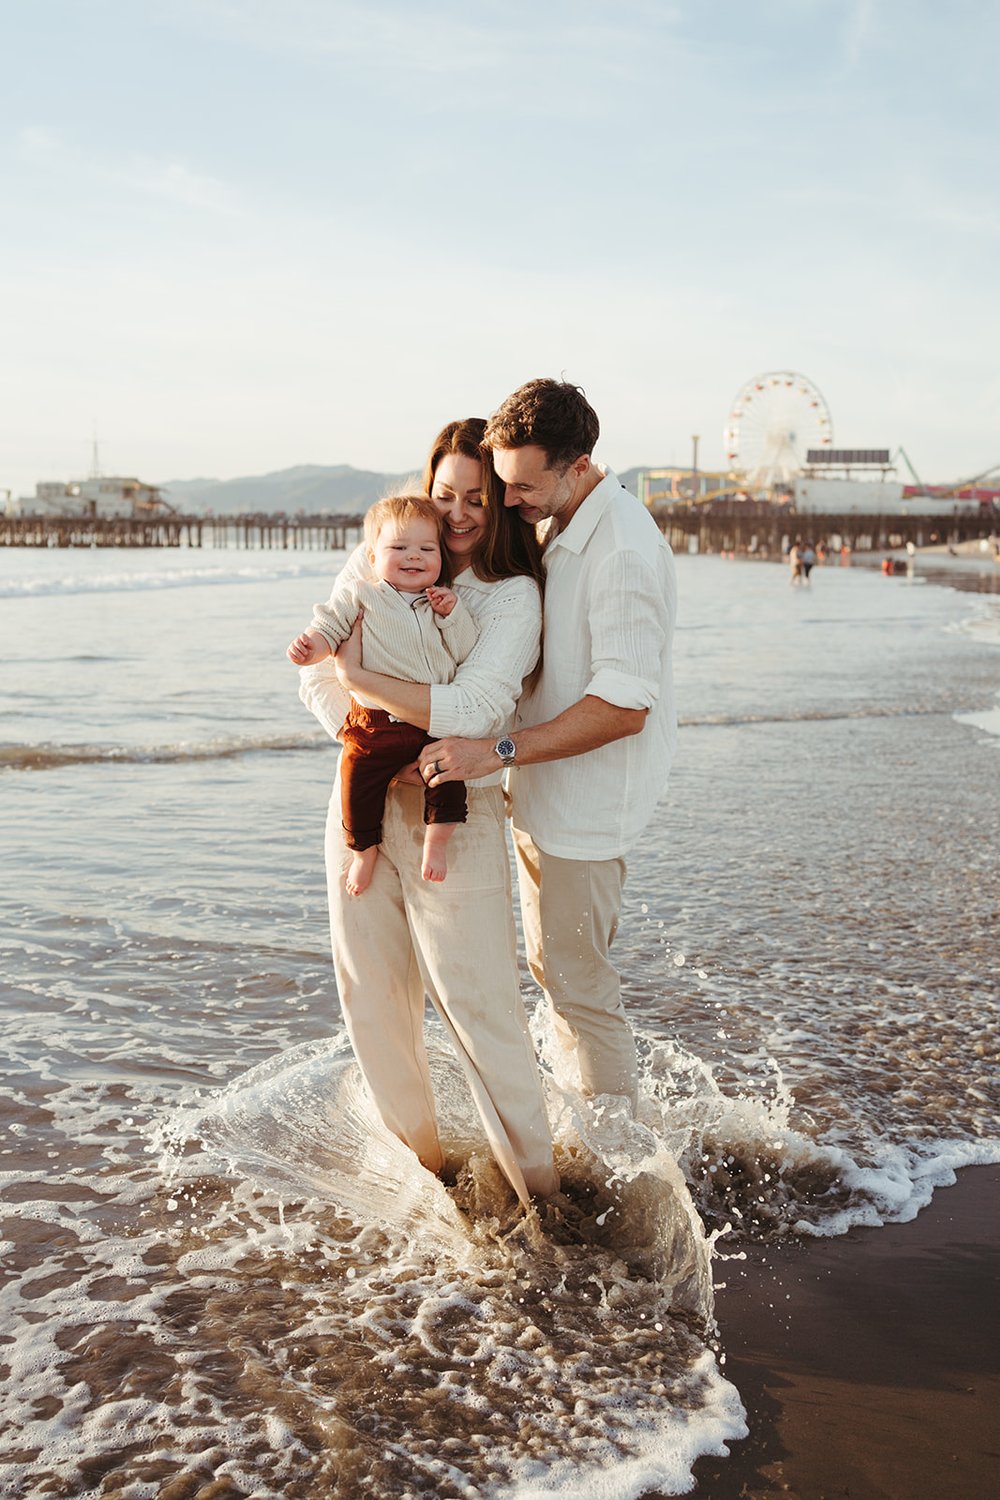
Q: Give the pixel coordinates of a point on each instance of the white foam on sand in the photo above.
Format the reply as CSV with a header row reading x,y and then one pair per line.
x,y
987,719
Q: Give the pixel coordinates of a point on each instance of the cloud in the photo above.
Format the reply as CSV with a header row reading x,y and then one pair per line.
x,y
510,51
36,141
165,178
177,183
861,27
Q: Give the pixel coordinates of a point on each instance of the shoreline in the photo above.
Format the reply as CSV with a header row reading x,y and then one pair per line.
x,y
867,1364
965,567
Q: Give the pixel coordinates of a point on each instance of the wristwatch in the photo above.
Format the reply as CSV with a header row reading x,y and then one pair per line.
x,y
507,750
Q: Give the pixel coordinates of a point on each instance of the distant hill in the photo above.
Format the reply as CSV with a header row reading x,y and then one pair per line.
x,y
313,488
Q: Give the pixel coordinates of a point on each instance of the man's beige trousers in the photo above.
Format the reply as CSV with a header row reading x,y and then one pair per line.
x,y
570,910
457,941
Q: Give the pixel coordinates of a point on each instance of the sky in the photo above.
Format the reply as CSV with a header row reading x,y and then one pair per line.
x,y
242,235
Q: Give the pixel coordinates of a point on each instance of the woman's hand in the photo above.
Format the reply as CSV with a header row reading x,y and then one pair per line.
x,y
348,657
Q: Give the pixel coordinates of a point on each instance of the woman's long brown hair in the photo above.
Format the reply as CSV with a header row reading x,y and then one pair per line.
x,y
509,547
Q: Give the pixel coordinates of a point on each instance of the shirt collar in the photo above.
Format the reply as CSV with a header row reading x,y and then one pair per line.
x,y
581,528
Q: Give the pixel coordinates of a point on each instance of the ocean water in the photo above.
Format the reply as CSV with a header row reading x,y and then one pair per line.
x,y
221,1276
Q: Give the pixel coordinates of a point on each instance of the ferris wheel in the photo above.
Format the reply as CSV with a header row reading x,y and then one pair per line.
x,y
774,421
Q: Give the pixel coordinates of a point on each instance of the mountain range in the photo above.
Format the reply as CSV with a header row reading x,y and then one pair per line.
x,y
314,489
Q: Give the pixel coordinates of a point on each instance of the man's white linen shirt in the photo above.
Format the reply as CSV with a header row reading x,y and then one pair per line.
x,y
610,610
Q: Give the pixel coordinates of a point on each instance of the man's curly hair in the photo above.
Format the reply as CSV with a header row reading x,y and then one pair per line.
x,y
549,414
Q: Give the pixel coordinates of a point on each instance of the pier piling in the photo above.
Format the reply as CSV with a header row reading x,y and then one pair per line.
x,y
318,533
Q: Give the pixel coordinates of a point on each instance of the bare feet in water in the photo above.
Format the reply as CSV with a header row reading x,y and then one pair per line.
x,y
362,866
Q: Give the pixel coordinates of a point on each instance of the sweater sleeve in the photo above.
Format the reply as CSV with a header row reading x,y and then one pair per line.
x,y
459,632
322,694
319,686
481,699
335,619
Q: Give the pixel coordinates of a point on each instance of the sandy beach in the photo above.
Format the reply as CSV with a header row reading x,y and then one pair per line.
x,y
868,1364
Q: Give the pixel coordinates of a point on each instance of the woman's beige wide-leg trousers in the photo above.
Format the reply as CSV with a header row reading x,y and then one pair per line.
x,y
456,941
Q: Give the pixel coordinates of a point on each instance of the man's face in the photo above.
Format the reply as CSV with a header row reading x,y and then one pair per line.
x,y
529,484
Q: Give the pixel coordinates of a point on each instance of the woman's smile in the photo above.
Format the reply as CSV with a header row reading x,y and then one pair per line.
x,y
457,493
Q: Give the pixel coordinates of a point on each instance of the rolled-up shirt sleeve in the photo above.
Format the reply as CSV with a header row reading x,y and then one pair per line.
x,y
630,628
483,694
459,632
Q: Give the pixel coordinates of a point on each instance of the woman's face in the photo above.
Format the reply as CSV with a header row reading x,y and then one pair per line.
x,y
457,493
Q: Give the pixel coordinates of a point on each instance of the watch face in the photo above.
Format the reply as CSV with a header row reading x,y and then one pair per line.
x,y
505,749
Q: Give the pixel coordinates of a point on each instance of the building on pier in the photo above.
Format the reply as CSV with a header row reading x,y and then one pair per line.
x,y
677,483
100,497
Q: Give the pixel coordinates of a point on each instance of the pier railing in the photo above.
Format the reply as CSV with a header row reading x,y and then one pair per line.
x,y
324,533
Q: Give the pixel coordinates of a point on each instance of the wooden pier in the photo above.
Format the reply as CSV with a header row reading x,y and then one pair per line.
x,y
761,530
747,527
317,533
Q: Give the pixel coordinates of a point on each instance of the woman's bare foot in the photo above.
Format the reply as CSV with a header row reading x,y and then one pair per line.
x,y
435,861
362,866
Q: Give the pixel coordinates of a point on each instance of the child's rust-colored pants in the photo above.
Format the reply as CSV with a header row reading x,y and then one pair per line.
x,y
376,748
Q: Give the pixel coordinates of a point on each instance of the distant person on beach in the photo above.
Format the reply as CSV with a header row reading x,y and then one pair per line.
x,y
455,942
403,547
808,562
595,734
795,563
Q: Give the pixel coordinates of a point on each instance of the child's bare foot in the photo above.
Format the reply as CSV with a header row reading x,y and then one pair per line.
x,y
359,874
435,861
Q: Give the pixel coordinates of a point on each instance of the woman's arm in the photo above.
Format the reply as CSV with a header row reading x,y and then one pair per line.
x,y
409,701
322,694
320,687
482,697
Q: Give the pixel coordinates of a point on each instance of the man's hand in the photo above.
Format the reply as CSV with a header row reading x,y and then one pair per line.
x,y
458,760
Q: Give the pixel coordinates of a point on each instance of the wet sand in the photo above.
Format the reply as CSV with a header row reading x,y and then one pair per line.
x,y
868,1364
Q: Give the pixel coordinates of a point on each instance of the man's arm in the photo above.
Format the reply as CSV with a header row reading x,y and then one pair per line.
x,y
587,725
630,622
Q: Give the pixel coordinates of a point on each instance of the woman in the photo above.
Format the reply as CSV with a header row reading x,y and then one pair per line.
x,y
405,935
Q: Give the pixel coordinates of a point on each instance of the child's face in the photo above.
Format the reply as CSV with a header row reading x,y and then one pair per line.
x,y
408,556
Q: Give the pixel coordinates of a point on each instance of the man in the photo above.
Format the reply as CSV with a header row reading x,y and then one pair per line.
x,y
595,736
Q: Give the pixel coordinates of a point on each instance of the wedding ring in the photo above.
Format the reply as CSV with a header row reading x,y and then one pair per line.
x,y
437,768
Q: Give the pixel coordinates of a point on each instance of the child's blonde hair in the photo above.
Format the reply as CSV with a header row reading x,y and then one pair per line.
x,y
398,510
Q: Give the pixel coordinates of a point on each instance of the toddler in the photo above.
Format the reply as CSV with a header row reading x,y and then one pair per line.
x,y
416,630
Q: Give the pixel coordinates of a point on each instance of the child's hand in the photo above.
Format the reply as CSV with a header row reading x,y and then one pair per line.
x,y
410,775
307,648
442,601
